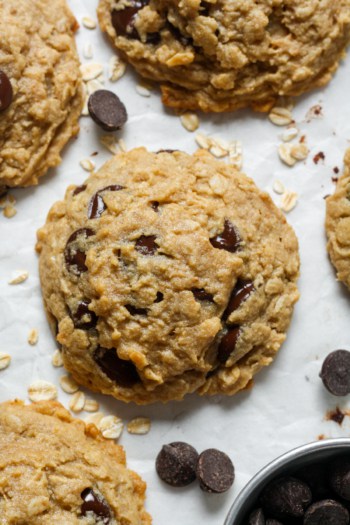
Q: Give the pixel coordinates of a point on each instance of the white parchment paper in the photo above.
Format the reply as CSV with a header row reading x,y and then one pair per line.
x,y
288,403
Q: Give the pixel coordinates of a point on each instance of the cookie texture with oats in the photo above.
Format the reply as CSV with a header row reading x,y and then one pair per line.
x,y
221,55
39,57
56,469
165,274
338,224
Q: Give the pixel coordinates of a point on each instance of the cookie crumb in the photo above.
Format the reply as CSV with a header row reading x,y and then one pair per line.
x,y
41,390
77,401
5,360
190,121
9,211
139,425
56,359
111,427
20,278
89,22
68,385
33,337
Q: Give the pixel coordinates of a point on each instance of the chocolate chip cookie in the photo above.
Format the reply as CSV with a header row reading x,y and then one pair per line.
x,y
54,469
220,55
338,224
40,88
166,273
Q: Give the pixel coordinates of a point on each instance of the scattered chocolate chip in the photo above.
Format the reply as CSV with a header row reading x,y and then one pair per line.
x,y
335,372
107,110
227,240
97,205
84,318
339,478
176,464
328,512
228,344
79,189
240,293
286,497
146,245
215,471
201,295
123,20
135,311
159,297
6,91
155,206
97,505
122,372
256,517
336,170
74,254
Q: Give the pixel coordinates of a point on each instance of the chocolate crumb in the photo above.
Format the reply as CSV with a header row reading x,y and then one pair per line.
x,y
319,156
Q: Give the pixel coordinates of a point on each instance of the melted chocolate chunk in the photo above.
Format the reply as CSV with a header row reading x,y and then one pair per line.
x,y
328,511
201,295
240,293
215,471
256,517
155,206
228,240
335,372
146,245
107,110
135,311
122,372
95,504
6,91
340,477
84,318
176,464
228,344
79,189
123,20
97,205
184,40
74,257
167,150
159,297
286,497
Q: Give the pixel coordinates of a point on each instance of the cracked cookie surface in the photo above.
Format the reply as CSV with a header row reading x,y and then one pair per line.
x,y
55,469
39,58
165,274
220,55
338,224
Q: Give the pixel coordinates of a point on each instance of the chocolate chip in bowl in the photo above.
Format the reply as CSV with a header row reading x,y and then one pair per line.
x,y
297,488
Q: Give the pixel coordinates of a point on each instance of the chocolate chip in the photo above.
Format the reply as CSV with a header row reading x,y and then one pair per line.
x,y
75,256
201,295
215,471
123,20
122,372
286,497
273,522
340,477
97,205
95,504
240,293
155,206
135,311
184,40
146,245
256,517
84,318
228,343
328,512
6,91
316,477
176,464
167,150
79,189
159,297
107,110
335,372
228,240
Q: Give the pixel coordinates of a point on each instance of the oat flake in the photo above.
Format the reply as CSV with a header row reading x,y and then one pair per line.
x,y
77,401
139,425
42,391
68,384
111,427
20,278
33,337
5,360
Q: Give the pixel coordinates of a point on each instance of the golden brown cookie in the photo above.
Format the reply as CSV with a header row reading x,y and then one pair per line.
x,y
167,273
40,88
223,55
338,224
55,469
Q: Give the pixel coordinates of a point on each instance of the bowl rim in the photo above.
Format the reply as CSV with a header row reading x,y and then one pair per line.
x,y
271,469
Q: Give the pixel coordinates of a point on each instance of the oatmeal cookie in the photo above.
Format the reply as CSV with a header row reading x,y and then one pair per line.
x,y
338,224
40,88
167,273
221,55
57,470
